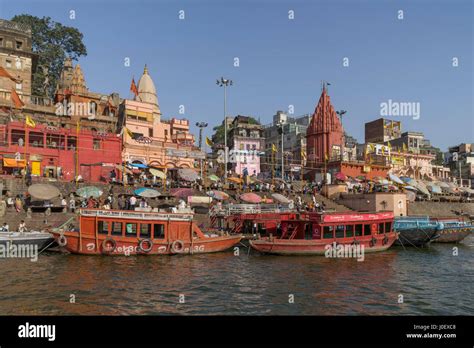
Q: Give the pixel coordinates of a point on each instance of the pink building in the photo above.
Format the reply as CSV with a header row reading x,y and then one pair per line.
x,y
246,144
151,140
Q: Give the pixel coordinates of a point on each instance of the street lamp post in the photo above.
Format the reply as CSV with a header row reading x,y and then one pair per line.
x,y
201,126
280,130
224,83
342,113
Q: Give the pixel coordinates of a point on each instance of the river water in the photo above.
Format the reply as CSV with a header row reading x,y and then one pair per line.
x,y
432,282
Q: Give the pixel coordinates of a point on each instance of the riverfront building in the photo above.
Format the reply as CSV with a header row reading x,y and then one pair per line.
x,y
150,140
294,142
246,144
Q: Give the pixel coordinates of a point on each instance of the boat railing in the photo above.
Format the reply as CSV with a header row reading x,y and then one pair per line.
x,y
231,209
125,214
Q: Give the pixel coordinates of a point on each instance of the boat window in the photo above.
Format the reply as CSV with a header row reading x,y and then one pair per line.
x,y
116,228
145,230
367,230
159,232
130,229
358,230
328,232
262,228
103,227
349,230
380,228
388,227
340,231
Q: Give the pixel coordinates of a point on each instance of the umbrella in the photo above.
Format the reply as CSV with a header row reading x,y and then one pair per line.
x,y
138,165
395,179
235,180
158,173
434,188
181,192
88,191
213,177
280,198
146,192
43,191
411,196
411,188
188,174
392,187
406,179
341,176
251,197
442,184
123,169
360,177
421,187
219,195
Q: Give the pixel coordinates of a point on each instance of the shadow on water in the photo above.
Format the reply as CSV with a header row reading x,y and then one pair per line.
x,y
432,281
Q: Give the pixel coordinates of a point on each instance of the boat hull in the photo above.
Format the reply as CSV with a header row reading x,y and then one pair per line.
x,y
318,247
417,237
40,239
125,246
453,235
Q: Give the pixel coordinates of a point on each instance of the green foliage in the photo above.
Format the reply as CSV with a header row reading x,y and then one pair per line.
x,y
53,42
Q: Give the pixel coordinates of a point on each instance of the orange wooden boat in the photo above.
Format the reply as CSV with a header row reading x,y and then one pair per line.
x,y
312,233
117,232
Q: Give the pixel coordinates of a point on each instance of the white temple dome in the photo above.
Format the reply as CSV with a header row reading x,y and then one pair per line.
x,y
146,89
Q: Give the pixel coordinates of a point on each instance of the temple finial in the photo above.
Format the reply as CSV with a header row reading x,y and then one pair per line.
x,y
145,71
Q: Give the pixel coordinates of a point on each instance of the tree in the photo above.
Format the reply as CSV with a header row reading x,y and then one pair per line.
x,y
53,42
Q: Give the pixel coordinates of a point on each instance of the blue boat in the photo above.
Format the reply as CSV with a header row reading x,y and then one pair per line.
x,y
416,230
453,230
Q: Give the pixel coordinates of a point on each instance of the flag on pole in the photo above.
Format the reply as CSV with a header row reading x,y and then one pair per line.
x,y
16,99
209,142
133,87
29,122
129,132
274,148
78,126
303,154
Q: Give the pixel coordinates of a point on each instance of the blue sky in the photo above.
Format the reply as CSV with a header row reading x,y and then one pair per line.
x,y
282,61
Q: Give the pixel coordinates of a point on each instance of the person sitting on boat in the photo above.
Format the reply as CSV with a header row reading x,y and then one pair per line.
x,y
5,227
22,226
181,205
91,202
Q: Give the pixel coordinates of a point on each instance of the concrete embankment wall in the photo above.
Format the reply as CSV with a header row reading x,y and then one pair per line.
x,y
440,209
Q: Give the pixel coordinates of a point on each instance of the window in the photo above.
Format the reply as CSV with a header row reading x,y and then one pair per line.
x,y
388,227
71,143
358,230
159,231
36,139
1,41
18,137
340,231
328,232
150,132
19,45
18,86
96,144
366,230
349,230
103,227
116,228
53,141
145,230
381,228
130,229
8,63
